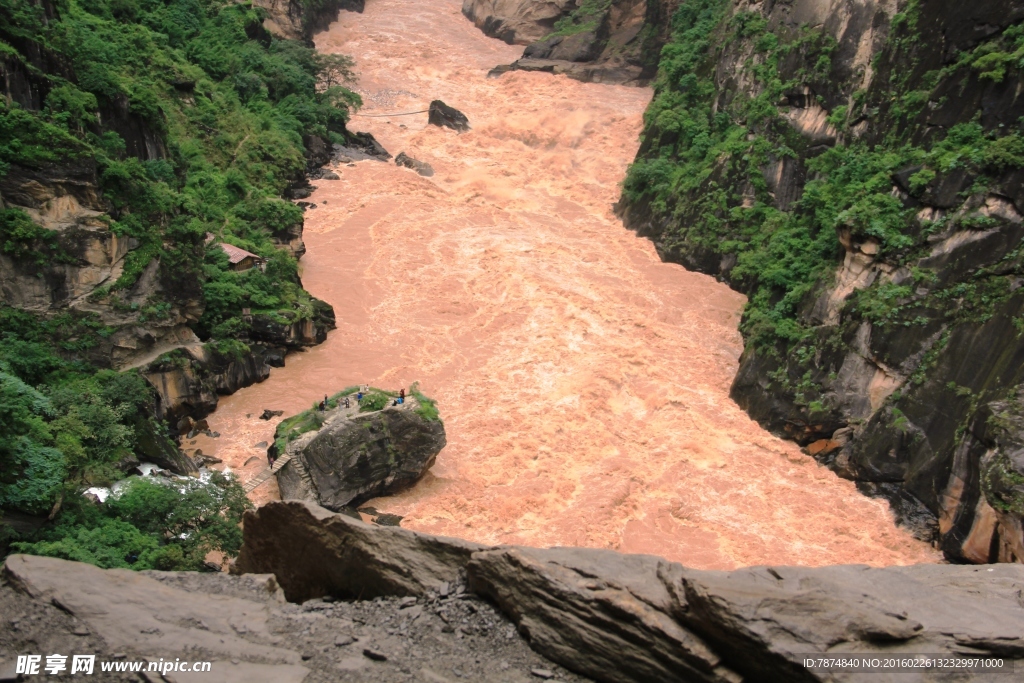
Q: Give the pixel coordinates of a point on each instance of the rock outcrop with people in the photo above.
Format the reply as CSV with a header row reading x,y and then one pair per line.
x,y
341,456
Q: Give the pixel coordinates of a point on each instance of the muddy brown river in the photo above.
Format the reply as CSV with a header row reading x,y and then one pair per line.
x,y
583,383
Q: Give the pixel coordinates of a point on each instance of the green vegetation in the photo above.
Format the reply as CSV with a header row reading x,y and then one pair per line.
x,y
703,160
293,427
586,17
193,120
66,426
231,106
427,408
24,240
373,400
168,525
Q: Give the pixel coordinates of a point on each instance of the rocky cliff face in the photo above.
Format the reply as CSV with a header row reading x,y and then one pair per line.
x,y
94,227
637,618
517,22
602,41
301,19
352,457
845,164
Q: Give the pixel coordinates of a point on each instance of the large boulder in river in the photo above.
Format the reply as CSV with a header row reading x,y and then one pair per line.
x,y
638,618
447,117
348,457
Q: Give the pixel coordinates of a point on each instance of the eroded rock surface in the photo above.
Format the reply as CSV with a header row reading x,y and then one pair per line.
x,y
637,618
298,20
244,628
616,42
356,456
345,557
516,21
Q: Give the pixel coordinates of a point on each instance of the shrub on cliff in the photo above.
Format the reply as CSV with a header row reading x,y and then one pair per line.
x,y
192,119
170,525
196,119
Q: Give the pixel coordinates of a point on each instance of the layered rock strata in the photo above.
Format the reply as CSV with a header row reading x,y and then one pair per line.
x,y
516,21
636,618
245,629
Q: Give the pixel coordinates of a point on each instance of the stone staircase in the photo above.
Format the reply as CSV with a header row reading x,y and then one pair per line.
x,y
260,478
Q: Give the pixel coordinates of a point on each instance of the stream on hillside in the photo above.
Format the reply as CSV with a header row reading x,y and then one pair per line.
x,y
583,383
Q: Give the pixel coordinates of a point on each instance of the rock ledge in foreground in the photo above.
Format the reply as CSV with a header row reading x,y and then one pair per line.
x,y
637,618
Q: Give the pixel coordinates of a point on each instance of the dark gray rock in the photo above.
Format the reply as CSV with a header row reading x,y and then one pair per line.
x,y
637,618
314,552
447,117
350,459
421,167
581,71
580,47
360,147
245,628
597,612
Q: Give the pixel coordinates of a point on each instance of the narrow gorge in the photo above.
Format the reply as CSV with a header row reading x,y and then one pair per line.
x,y
587,340
583,384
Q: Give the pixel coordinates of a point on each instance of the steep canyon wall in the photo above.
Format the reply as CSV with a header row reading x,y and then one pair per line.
x,y
855,168
85,236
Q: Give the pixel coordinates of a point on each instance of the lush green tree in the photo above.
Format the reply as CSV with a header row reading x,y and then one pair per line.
x,y
170,525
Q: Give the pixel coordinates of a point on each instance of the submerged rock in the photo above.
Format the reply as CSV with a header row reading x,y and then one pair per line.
x,y
447,117
420,167
347,457
360,147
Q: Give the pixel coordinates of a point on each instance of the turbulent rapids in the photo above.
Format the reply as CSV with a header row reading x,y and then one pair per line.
x,y
584,384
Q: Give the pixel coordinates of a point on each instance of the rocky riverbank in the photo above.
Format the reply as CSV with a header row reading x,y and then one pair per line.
x,y
385,604
618,41
840,163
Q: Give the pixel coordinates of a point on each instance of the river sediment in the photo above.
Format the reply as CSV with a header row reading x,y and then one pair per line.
x,y
583,383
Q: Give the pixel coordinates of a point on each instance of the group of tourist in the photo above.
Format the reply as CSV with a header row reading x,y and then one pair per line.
x,y
360,394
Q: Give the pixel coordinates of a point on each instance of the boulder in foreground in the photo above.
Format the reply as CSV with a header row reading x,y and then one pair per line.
x,y
637,618
343,457
447,117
